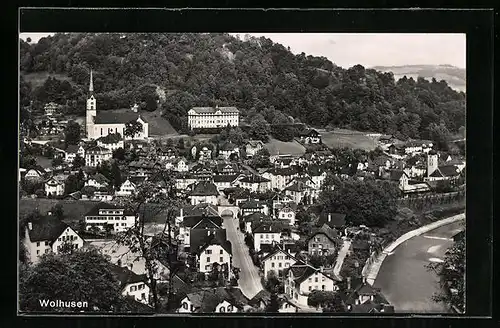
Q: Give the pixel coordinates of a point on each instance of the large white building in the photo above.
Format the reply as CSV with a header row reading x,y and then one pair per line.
x,y
108,122
117,218
213,117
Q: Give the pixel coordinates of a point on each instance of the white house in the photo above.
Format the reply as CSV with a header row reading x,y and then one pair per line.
x,y
34,175
280,177
267,233
223,181
96,155
262,299
227,149
252,147
177,164
204,192
127,188
301,279
111,141
277,261
255,183
72,151
287,212
210,247
214,300
49,235
210,117
116,217
132,284
54,187
97,181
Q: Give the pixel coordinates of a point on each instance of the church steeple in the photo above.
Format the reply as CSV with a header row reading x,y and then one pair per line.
x,y
91,85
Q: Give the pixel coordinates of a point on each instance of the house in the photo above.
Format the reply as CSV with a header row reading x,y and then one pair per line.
x,y
261,300
48,234
252,147
310,136
212,117
72,151
226,169
367,299
333,220
190,224
54,186
102,196
277,260
301,279
205,154
211,247
128,188
112,141
96,155
253,206
184,180
400,177
444,172
214,300
51,109
202,172
255,183
287,212
317,175
279,199
35,174
97,181
198,211
223,181
177,164
300,192
204,192
102,123
284,161
107,216
228,150
322,241
267,233
280,177
131,284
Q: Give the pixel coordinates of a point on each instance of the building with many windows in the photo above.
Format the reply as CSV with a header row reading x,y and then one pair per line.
x,y
117,218
213,117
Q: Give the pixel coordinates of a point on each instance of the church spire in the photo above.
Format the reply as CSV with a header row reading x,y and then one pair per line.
x,y
91,85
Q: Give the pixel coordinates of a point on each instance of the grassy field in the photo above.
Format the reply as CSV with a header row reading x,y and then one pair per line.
x,y
158,126
73,210
340,138
276,147
38,78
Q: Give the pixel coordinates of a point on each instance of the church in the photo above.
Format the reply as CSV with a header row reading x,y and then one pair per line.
x,y
103,123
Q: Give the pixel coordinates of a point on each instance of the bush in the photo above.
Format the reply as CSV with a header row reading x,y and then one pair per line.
x,y
40,193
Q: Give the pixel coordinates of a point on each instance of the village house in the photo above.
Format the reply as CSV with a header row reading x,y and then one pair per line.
x,y
205,154
444,172
48,234
131,284
102,196
255,183
203,192
214,300
224,181
333,220
261,301
165,154
112,141
229,150
35,175
115,217
211,247
300,192
212,117
252,147
51,109
279,199
310,136
253,220
127,188
202,172
226,168
54,186
267,233
251,206
323,241
276,261
367,299
97,155
207,220
184,180
417,146
317,175
287,212
97,181
177,164
280,177
301,279
72,151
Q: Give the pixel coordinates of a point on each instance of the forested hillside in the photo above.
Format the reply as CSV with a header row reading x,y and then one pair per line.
x,y
173,72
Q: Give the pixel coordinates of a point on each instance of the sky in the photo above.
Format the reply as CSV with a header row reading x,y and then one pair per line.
x,y
367,49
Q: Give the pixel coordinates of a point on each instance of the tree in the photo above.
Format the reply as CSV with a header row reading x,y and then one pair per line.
x,y
78,162
259,128
72,133
55,278
261,158
71,184
273,305
116,174
119,154
132,129
58,211
57,161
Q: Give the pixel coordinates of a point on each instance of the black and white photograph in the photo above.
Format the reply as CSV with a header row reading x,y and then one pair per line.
x,y
223,173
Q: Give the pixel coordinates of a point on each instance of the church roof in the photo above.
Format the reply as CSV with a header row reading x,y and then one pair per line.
x,y
212,110
112,117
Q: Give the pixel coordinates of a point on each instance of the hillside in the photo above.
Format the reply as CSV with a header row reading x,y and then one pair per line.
x,y
170,73
454,76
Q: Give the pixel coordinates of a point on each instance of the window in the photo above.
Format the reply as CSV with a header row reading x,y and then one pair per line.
x,y
185,305
279,264
143,296
221,251
316,279
315,245
208,251
289,215
76,246
310,288
46,243
208,259
261,236
287,265
47,250
133,288
323,278
322,287
229,308
207,267
37,244
221,259
310,279
272,264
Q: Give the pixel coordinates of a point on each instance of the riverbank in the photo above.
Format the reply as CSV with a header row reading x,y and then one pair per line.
x,y
372,269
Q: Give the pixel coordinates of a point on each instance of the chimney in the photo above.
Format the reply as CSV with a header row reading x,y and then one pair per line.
x,y
30,226
321,268
348,283
329,217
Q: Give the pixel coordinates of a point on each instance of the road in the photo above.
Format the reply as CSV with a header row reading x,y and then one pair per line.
x,y
403,277
249,279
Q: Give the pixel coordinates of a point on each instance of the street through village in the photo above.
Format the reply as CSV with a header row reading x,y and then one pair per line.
x,y
404,278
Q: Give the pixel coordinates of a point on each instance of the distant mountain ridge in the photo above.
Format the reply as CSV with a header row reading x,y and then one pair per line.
x,y
454,76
